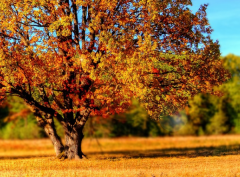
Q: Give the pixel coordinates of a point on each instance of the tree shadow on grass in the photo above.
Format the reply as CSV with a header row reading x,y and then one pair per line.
x,y
23,157
171,152
153,153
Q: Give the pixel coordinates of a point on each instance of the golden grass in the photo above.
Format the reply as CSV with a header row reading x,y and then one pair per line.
x,y
170,156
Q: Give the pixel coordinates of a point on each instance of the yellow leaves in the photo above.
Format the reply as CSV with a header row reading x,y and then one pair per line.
x,y
29,49
207,83
184,77
150,112
2,57
155,45
100,65
167,97
37,13
100,97
85,63
82,3
146,44
62,26
93,75
4,4
97,57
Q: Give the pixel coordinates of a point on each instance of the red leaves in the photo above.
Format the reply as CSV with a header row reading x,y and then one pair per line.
x,y
155,70
105,115
97,112
92,101
112,111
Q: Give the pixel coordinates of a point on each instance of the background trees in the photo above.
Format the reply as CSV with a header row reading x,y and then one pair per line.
x,y
17,121
208,114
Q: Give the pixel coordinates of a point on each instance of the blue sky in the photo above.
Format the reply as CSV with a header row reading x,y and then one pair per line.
x,y
224,18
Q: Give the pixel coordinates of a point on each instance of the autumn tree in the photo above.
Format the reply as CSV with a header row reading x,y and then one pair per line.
x,y
71,59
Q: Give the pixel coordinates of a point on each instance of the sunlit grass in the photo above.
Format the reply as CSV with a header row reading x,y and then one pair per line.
x,y
170,156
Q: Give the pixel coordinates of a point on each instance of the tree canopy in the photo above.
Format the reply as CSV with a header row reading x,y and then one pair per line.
x,y
70,59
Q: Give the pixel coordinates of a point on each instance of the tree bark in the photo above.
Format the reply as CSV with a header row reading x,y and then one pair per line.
x,y
50,130
73,133
73,146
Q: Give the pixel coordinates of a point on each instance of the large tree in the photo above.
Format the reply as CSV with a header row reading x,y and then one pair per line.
x,y
71,59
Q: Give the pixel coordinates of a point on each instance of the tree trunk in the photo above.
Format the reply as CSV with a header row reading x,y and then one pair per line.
x,y
51,132
73,148
49,128
74,135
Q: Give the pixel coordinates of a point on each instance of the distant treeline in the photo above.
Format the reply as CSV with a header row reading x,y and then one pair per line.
x,y
205,115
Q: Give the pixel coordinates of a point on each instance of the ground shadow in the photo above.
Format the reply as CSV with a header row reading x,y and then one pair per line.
x,y
172,152
154,153
23,157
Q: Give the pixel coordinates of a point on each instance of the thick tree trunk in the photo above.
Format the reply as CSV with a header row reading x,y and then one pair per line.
x,y
74,135
73,148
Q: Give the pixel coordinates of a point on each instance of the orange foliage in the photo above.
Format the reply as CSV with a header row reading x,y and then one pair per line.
x,y
64,57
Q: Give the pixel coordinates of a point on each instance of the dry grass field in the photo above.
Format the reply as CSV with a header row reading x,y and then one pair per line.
x,y
154,157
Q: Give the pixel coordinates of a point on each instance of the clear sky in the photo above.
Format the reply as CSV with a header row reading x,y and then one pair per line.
x,y
224,18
